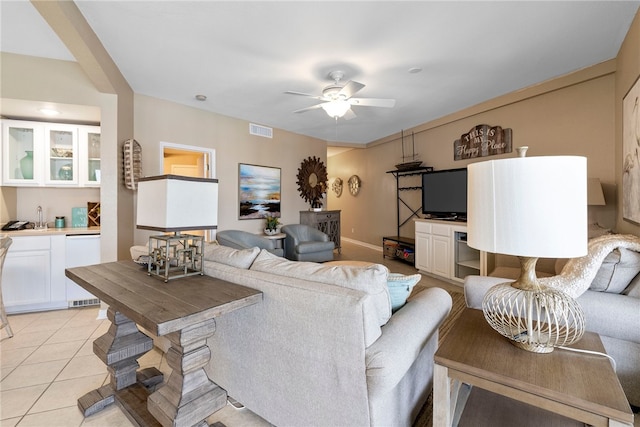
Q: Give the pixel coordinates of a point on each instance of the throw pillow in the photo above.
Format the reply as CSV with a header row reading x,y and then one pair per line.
x,y
596,230
239,258
616,271
400,287
633,290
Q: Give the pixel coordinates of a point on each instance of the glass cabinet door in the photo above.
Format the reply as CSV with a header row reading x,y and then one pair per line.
x,y
89,142
21,152
61,154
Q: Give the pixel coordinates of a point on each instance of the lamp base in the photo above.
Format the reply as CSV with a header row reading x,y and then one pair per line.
x,y
172,256
535,318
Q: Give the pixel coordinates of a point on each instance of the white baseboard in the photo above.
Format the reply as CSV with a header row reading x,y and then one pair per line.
x,y
366,245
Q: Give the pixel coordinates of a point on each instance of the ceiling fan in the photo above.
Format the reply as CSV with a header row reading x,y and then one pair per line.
x,y
338,99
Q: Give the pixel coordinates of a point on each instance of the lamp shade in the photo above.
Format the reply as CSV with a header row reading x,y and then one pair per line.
x,y
529,206
177,203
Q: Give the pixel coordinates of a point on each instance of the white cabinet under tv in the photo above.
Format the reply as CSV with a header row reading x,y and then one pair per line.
x,y
442,250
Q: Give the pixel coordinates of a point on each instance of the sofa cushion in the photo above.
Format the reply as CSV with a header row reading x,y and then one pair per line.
x,y
616,271
400,286
239,258
370,279
633,290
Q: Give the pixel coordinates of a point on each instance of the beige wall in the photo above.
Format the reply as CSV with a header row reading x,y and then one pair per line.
x,y
628,71
8,204
571,115
162,121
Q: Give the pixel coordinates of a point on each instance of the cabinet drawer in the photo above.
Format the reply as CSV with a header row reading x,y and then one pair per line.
x,y
30,243
423,227
328,216
440,230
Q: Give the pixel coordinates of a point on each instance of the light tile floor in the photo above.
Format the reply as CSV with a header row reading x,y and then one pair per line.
x,y
49,363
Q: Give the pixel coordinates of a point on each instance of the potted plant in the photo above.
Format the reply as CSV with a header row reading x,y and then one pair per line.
x,y
272,224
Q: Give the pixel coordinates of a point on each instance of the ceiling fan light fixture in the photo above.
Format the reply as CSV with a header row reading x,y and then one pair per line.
x,y
336,109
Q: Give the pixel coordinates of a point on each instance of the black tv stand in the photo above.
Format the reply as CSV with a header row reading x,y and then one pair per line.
x,y
399,247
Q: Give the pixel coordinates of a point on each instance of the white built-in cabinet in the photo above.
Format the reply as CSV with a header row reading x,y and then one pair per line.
x,y
36,154
33,277
442,250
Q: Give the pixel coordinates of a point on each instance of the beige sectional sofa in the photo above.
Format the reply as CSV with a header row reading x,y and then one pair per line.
x,y
323,347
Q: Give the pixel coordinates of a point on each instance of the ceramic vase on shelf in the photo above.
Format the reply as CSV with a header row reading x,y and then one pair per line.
x,y
66,172
26,165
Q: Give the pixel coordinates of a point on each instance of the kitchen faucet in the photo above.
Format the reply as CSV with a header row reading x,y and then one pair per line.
x,y
40,224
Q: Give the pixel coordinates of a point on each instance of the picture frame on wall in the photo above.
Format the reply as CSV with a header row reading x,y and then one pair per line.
x,y
631,154
259,189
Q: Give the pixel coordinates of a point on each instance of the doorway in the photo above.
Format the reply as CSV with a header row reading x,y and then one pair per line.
x,y
186,160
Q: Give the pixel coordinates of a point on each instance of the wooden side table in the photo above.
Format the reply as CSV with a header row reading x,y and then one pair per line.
x,y
575,385
183,310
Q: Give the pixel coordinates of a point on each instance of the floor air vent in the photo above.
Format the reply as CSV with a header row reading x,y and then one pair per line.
x,y
260,130
83,302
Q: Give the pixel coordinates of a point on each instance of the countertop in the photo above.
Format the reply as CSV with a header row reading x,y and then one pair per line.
x,y
52,231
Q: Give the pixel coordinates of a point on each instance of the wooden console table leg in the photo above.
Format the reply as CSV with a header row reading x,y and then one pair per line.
x,y
118,349
442,416
189,397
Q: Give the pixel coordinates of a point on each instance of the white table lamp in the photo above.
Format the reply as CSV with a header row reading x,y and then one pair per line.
x,y
172,203
530,207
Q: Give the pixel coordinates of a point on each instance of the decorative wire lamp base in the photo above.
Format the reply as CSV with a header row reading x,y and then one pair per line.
x,y
535,318
175,256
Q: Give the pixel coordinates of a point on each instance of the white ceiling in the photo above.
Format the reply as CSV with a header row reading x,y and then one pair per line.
x,y
244,55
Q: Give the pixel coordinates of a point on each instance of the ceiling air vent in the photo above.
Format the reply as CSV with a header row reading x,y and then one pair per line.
x,y
260,130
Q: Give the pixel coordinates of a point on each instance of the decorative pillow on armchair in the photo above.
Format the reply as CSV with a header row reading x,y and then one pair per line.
x,y
617,271
400,287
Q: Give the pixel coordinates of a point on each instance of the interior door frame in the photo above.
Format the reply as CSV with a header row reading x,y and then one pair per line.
x,y
210,166
209,152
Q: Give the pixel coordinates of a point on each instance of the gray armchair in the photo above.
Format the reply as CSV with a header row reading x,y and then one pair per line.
x,y
239,239
304,243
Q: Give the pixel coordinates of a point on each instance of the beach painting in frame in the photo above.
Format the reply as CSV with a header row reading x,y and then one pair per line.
x,y
259,193
631,154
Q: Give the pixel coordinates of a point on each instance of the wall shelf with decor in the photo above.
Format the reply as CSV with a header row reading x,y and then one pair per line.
x,y
405,181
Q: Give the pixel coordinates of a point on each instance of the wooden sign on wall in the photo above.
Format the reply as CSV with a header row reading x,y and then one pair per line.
x,y
482,141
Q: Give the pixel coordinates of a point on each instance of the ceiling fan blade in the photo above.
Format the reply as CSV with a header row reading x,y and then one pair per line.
x,y
350,89
373,102
313,107
349,115
291,92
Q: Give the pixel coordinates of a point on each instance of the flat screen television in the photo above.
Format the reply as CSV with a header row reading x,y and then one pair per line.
x,y
444,194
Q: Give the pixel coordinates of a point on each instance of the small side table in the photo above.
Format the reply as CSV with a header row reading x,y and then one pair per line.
x,y
279,238
579,386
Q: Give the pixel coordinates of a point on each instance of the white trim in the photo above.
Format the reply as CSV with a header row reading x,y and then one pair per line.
x,y
366,245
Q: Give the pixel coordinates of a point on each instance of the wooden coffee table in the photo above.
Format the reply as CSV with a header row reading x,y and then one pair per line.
x,y
578,386
184,311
